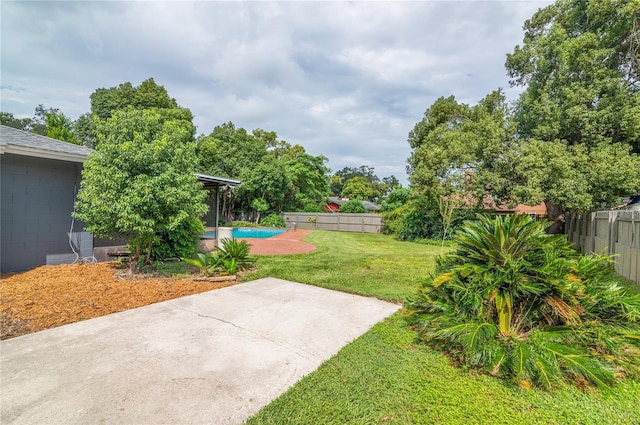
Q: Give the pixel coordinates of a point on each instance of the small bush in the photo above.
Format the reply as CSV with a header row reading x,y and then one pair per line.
x,y
273,220
396,199
420,224
234,255
243,224
230,258
352,206
392,220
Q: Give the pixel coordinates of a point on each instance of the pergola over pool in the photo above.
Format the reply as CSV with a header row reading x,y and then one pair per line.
x,y
214,182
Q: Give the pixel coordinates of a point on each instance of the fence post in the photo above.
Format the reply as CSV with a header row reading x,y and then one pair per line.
x,y
614,231
592,233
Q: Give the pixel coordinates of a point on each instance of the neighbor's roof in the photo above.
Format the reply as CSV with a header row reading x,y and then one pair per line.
x,y
213,181
20,142
369,206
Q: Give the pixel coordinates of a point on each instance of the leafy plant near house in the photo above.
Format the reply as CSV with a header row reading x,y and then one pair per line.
x,y
522,304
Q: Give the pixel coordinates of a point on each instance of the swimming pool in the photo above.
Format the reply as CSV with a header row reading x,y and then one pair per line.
x,y
248,232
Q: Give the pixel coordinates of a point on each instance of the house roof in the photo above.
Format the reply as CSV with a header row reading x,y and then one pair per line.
x,y
213,181
20,142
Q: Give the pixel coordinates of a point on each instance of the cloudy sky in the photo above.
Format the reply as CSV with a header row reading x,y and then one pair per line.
x,y
347,80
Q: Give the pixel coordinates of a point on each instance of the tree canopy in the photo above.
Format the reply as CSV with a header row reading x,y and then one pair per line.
x,y
147,95
366,185
276,176
572,138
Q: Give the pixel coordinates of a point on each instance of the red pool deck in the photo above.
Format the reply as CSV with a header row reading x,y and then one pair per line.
x,y
285,243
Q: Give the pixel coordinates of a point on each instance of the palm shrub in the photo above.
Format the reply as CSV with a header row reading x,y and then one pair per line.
x,y
234,255
524,305
231,257
206,262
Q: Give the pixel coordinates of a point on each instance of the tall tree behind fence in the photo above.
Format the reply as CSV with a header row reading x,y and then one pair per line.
x,y
342,222
612,232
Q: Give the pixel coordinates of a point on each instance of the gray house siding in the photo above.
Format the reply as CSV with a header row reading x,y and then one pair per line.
x,y
36,202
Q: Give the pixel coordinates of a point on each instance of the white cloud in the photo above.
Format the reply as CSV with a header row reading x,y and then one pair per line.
x,y
345,79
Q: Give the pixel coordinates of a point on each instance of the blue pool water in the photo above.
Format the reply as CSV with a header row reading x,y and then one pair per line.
x,y
248,232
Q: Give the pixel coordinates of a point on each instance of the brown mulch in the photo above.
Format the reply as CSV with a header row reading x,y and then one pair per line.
x,y
51,296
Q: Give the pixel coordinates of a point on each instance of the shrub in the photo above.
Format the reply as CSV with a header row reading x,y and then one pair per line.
x,y
524,305
181,242
231,257
420,224
352,206
396,199
206,262
235,253
273,220
243,224
392,220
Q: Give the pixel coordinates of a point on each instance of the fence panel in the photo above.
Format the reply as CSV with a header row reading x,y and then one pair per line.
x,y
611,232
342,222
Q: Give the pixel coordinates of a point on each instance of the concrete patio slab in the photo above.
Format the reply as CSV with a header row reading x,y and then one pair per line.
x,y
210,358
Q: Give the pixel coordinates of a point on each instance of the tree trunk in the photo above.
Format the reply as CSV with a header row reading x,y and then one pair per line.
x,y
133,260
555,214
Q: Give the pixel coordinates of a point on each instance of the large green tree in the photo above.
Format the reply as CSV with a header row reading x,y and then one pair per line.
x,y
463,151
140,181
308,178
376,189
359,188
276,176
7,118
227,150
571,140
580,111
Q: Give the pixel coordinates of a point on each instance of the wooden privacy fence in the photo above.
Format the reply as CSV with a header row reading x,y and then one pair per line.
x,y
612,232
341,222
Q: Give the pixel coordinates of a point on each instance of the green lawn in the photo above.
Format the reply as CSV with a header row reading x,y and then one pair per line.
x,y
366,264
385,377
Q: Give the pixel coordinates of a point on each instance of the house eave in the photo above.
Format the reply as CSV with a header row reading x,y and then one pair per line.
x,y
42,153
213,181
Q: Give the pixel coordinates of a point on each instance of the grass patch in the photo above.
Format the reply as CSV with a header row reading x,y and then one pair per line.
x,y
385,377
365,264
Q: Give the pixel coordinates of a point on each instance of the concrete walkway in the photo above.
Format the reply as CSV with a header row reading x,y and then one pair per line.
x,y
210,358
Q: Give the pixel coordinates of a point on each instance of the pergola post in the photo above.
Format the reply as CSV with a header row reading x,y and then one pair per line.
x,y
217,215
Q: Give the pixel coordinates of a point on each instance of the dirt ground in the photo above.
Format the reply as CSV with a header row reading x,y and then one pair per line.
x,y
51,296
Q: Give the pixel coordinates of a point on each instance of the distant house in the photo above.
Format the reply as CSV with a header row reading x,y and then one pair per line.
x,y
334,203
539,210
39,180
489,204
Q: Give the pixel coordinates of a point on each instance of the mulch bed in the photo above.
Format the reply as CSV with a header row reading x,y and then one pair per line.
x,y
51,296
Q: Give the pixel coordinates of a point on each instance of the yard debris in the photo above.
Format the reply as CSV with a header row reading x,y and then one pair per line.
x,y
50,296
